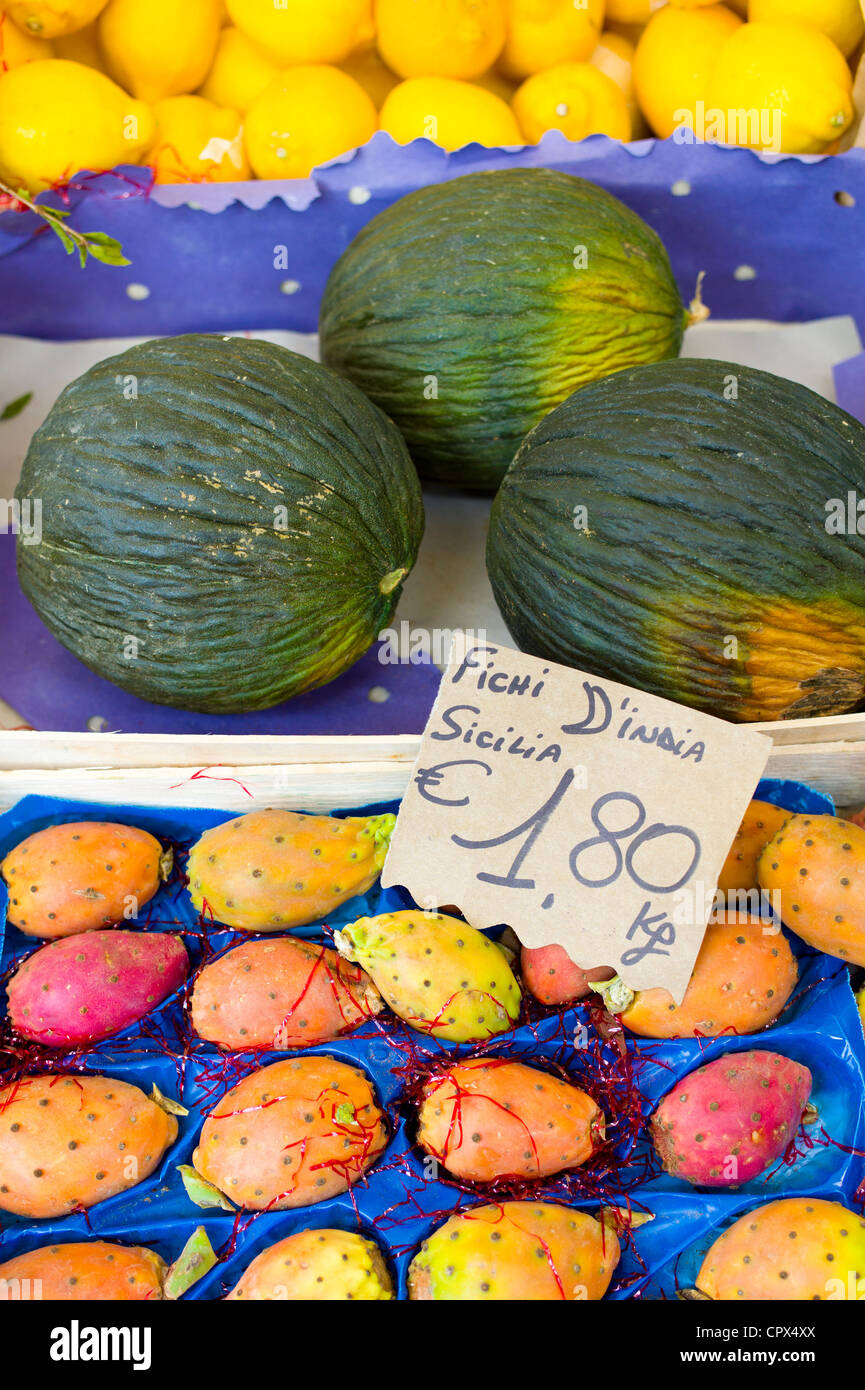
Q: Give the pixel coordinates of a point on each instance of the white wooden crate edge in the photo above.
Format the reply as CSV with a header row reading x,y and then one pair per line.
x,y
318,773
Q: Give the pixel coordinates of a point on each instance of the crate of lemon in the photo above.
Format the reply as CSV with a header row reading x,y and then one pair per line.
x,y
227,90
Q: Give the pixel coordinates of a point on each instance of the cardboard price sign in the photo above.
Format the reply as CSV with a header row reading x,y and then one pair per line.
x,y
576,810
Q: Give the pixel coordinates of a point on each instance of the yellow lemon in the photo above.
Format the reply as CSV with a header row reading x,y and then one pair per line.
x,y
840,20
440,38
614,55
304,117
57,118
197,142
449,112
81,47
674,60
791,82
366,67
543,32
16,47
159,48
50,18
575,98
240,71
303,31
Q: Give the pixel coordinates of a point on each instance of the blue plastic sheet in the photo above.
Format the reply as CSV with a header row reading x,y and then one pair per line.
x,y
397,1204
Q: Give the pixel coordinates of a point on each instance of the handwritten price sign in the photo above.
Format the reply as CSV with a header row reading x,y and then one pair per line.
x,y
575,810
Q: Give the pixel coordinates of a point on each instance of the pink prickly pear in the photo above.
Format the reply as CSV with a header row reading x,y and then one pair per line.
x,y
795,1249
553,978
83,988
726,1122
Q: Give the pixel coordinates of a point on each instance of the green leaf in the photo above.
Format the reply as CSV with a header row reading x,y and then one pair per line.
x,y
15,407
105,248
202,1192
194,1261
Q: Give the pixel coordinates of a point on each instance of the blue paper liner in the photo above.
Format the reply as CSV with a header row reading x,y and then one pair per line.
x,y
396,1203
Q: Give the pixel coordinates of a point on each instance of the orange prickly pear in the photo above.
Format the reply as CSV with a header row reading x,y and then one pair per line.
x,y
291,1134
553,978
724,1123
80,990
92,1269
326,1265
817,864
280,993
83,875
72,1141
760,822
437,973
490,1118
744,975
795,1249
272,870
526,1251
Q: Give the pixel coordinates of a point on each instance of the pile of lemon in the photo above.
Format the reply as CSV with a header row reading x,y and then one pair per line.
x,y
206,90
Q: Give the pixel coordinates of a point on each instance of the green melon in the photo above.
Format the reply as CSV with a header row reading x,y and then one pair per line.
x,y
225,524
469,309
682,527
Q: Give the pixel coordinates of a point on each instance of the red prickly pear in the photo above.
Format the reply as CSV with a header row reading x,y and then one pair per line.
x,y
325,1265
280,993
81,876
525,1251
437,973
553,978
817,865
72,1141
272,870
744,975
795,1249
291,1134
490,1118
80,989
84,1270
760,822
726,1122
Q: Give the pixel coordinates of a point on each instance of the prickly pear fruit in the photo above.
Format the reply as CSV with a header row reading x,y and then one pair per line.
x,y
320,1266
77,990
744,975
760,822
817,863
81,876
726,1122
89,1269
489,1118
553,978
291,1134
526,1251
72,1141
437,973
270,870
795,1249
281,993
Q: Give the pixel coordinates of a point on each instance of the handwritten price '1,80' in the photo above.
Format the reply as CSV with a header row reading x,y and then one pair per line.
x,y
657,930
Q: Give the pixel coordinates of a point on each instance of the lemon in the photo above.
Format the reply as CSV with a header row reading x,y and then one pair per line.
x,y
840,20
197,141
304,117
159,48
366,67
81,47
303,31
541,33
674,60
575,98
48,19
240,71
792,80
16,47
614,55
449,112
57,118
440,38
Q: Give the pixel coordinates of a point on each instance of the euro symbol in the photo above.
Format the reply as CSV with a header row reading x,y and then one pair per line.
x,y
427,777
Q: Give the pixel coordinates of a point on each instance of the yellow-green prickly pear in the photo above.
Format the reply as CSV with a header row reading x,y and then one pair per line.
x,y
272,870
440,975
326,1265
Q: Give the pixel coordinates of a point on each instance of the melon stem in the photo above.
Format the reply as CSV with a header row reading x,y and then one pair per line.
x,y
697,312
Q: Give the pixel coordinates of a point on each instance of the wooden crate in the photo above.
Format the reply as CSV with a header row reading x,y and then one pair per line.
x,y
318,773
